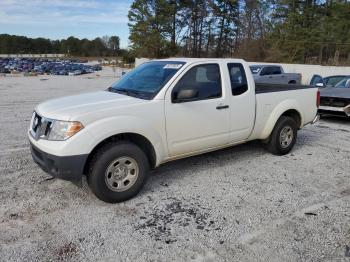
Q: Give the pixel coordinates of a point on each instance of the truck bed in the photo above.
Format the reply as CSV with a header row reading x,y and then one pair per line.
x,y
268,88
272,99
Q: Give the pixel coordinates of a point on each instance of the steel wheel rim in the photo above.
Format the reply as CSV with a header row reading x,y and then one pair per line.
x,y
286,136
121,174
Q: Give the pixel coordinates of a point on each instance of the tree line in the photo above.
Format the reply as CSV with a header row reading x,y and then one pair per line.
x,y
292,31
105,46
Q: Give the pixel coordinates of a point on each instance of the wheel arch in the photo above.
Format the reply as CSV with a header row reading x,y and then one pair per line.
x,y
294,114
287,108
139,140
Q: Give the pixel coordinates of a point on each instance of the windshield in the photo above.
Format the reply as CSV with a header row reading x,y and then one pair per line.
x,y
345,83
146,80
255,69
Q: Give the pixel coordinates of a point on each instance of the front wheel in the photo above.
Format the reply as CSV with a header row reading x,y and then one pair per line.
x,y
283,136
118,172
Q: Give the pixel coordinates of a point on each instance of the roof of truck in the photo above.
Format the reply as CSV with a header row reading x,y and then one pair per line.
x,y
194,60
261,65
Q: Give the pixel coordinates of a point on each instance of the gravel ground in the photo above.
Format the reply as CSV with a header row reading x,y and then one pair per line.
x,y
237,204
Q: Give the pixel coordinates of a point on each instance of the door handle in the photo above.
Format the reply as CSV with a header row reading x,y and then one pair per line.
x,y
222,107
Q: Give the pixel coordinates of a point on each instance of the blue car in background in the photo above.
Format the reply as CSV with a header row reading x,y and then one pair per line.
x,y
46,66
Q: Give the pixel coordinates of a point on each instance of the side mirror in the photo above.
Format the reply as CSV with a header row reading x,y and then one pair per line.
x,y
319,85
185,95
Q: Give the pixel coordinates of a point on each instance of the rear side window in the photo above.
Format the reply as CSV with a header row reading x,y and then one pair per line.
x,y
205,79
275,70
238,78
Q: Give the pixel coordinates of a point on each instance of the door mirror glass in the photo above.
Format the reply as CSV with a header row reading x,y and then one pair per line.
x,y
185,95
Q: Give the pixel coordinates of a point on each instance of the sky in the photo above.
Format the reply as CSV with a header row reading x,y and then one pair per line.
x,y
58,19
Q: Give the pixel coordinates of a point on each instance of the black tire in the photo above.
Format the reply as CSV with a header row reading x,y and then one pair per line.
x,y
275,141
102,161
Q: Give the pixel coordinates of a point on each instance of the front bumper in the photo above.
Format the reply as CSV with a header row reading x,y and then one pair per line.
x,y
63,167
331,110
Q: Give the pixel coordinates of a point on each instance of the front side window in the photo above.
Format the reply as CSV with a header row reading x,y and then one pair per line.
x,y
238,78
146,80
266,71
203,80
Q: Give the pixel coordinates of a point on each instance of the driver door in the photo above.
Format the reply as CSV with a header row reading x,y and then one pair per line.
x,y
201,122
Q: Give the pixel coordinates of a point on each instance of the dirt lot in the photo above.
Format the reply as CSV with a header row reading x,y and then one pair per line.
x,y
238,204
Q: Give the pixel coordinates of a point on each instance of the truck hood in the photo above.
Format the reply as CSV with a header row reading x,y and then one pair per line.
x,y
335,92
71,107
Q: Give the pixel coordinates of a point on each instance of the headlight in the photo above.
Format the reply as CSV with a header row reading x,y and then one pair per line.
x,y
62,130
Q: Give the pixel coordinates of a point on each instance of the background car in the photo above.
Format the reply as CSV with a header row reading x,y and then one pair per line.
x,y
336,100
273,74
46,66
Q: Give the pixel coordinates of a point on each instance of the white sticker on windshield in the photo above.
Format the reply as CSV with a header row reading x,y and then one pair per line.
x,y
172,66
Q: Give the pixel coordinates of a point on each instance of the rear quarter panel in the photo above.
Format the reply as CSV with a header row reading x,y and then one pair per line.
x,y
293,76
270,106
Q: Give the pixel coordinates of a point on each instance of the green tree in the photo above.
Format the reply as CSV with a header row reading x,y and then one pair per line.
x,y
227,14
150,27
113,44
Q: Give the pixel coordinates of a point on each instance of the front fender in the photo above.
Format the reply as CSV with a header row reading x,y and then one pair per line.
x,y
107,127
276,113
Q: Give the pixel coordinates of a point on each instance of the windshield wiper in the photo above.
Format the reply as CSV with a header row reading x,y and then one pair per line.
x,y
129,92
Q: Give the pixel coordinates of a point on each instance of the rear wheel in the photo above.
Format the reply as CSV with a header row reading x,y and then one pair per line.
x,y
118,172
283,136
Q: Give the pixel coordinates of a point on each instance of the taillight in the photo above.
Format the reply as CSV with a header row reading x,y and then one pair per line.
x,y
318,99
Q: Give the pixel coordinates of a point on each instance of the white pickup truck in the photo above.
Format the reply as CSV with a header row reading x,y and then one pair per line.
x,y
161,111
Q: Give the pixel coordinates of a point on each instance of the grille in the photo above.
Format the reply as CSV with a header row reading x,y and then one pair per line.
x,y
40,126
335,102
